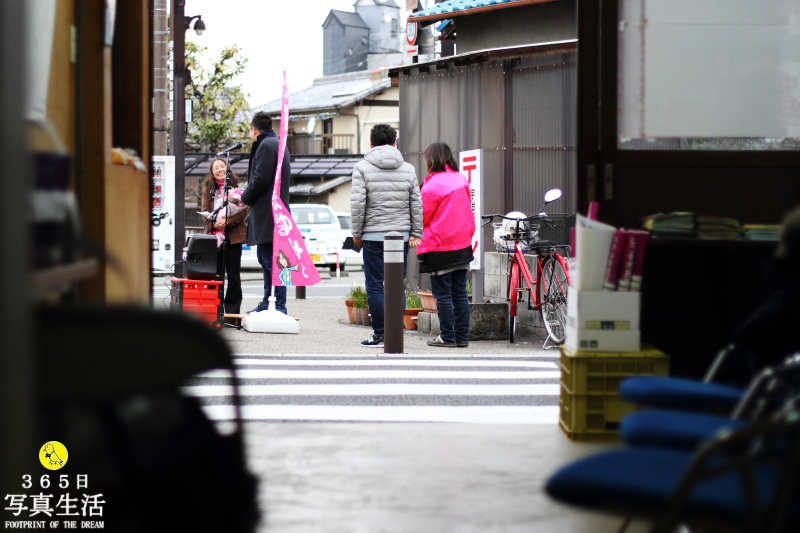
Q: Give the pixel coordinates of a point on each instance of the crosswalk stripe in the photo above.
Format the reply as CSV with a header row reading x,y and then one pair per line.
x,y
399,388
379,355
393,362
346,413
377,374
388,389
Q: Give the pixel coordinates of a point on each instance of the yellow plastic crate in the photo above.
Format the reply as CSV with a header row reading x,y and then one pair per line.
x,y
589,405
591,416
602,372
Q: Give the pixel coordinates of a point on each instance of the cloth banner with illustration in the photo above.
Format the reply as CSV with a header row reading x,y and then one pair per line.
x,y
291,264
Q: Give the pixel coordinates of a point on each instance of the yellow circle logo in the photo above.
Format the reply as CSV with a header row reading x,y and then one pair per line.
x,y
53,455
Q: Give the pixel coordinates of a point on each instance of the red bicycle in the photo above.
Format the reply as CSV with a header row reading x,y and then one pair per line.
x,y
516,234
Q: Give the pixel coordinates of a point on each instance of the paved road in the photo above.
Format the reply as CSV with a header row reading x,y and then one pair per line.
x,y
387,388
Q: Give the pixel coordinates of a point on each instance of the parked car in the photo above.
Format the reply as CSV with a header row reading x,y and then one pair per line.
x,y
321,231
249,258
353,257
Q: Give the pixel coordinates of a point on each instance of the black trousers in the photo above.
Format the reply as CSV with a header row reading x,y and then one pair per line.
x,y
233,265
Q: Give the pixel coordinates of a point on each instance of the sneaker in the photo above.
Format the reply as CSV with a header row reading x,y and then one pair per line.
x,y
374,341
439,342
261,307
462,344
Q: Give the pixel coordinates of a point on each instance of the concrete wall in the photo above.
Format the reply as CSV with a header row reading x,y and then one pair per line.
x,y
529,323
359,120
339,197
380,19
539,23
331,36
336,40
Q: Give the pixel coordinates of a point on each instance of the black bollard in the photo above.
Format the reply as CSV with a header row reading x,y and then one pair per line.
x,y
393,293
300,293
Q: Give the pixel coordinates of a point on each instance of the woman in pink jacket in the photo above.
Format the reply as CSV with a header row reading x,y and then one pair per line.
x,y
445,250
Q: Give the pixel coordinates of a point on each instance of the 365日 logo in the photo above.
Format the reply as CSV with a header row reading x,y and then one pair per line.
x,y
53,455
73,504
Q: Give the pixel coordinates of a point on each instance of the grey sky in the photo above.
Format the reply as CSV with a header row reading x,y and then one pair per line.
x,y
274,35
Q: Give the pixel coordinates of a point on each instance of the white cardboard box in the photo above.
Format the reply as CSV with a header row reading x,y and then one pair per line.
x,y
603,310
603,321
582,340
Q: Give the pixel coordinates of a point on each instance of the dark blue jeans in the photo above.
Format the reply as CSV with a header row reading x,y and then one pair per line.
x,y
264,254
450,291
373,274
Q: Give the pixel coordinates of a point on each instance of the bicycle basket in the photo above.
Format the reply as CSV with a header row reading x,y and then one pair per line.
x,y
506,232
557,231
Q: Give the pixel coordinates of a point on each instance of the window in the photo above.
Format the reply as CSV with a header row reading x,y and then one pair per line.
x,y
312,215
344,221
711,75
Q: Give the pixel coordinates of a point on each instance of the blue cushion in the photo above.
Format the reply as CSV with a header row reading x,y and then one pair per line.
x,y
678,393
645,478
673,429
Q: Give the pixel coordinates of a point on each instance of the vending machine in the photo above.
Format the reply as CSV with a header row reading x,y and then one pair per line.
x,y
163,212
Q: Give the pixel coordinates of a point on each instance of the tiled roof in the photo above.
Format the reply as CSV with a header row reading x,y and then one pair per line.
x,y
348,19
303,166
329,92
454,8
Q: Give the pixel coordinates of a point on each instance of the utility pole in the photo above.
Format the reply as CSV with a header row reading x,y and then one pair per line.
x,y
417,9
160,77
178,125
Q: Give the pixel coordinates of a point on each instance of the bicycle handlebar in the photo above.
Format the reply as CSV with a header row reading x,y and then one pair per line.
x,y
543,218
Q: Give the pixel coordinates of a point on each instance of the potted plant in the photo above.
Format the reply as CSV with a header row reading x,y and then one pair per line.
x,y
428,301
357,293
358,307
363,310
413,307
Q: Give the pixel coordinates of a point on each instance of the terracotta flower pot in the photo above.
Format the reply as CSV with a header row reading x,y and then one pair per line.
x,y
428,301
365,318
410,318
350,308
357,315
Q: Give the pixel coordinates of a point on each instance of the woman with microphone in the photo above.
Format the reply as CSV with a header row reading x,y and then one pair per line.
x,y
227,223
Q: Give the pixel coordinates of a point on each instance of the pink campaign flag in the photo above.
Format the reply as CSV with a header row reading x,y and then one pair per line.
x,y
291,264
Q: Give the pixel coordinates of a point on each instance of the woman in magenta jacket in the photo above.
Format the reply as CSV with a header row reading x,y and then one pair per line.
x,y
445,250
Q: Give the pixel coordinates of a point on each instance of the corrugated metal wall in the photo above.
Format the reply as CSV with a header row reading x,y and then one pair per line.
x,y
466,106
544,89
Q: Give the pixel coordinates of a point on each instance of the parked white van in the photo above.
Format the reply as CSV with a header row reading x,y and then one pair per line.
x,y
320,230
353,257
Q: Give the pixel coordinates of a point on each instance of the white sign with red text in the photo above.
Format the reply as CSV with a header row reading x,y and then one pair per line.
x,y
471,164
411,47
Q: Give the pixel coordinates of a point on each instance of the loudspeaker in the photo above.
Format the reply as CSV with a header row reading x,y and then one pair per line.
x,y
201,257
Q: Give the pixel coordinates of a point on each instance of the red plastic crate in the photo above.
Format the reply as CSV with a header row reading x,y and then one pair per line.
x,y
200,308
199,297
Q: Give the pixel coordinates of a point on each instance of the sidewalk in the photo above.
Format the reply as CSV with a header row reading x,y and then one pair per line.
x,y
405,477
325,329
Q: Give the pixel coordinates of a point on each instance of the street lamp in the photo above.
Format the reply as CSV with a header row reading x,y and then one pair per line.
x,y
178,126
199,26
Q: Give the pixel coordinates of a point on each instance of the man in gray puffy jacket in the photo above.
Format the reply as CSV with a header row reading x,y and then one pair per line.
x,y
385,197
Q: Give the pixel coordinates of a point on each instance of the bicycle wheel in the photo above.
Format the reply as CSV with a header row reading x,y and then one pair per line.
x,y
552,291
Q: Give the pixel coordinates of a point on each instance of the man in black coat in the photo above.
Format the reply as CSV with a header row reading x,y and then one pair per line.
x,y
258,195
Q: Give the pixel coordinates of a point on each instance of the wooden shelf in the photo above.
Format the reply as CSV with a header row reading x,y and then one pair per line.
x,y
55,278
708,243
